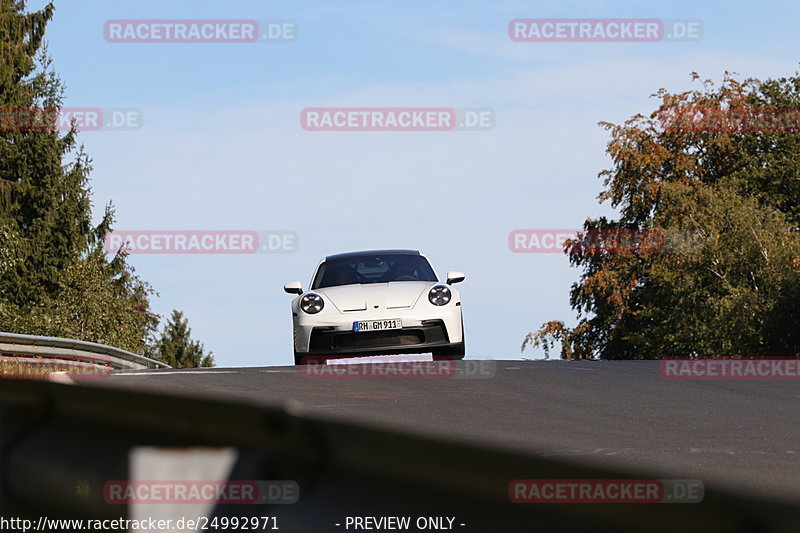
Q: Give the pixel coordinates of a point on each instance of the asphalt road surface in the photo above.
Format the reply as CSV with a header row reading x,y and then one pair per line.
x,y
743,436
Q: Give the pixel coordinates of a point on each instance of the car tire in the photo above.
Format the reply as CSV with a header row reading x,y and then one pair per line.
x,y
300,359
451,353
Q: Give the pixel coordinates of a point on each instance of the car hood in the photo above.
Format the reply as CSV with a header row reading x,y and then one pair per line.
x,y
394,295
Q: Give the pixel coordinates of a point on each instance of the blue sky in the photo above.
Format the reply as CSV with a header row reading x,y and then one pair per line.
x,y
221,147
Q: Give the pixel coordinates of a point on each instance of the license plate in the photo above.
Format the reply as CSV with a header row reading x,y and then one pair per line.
x,y
375,325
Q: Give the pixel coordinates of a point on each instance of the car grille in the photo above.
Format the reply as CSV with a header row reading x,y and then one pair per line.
x,y
377,339
326,339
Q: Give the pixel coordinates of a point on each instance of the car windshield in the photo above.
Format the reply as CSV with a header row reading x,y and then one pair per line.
x,y
381,268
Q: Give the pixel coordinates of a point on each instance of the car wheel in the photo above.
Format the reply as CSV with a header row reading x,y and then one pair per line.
x,y
300,359
451,353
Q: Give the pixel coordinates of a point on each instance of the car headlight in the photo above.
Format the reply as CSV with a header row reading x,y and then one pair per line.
x,y
439,295
312,303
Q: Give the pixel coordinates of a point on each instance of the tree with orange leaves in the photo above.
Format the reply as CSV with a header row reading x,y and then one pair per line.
x,y
716,172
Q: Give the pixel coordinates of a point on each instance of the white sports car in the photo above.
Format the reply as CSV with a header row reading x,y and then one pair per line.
x,y
377,302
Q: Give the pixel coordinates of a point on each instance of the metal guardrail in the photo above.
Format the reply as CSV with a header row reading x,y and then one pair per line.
x,y
23,347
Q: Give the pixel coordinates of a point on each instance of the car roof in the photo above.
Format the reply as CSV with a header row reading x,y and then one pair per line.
x,y
372,252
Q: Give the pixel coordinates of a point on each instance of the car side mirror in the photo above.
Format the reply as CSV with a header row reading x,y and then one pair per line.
x,y
455,277
293,287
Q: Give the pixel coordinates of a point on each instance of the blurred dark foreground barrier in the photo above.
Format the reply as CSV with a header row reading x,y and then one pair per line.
x,y
60,445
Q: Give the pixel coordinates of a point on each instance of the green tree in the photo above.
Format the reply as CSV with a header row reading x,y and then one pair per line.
x,y
732,287
176,347
54,276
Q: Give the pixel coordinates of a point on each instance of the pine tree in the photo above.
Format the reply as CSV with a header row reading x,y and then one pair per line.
x,y
44,202
54,276
176,347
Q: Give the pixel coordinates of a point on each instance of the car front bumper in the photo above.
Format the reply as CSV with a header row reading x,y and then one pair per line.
x,y
415,339
337,337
